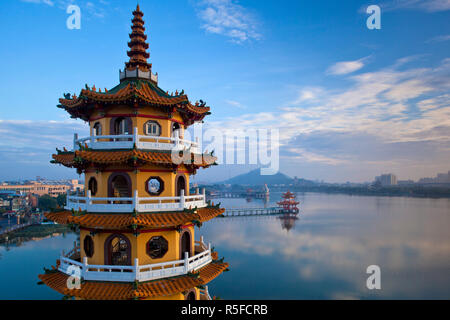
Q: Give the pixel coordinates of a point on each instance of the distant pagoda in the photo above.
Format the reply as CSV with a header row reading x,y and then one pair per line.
x,y
136,217
289,202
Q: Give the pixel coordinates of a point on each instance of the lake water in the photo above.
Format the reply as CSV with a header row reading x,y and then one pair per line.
x,y
322,255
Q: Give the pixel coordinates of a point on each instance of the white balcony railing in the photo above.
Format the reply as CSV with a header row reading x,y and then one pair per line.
x,y
127,141
140,204
135,272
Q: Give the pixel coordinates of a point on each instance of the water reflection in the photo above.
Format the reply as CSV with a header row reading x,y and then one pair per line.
x,y
321,255
334,241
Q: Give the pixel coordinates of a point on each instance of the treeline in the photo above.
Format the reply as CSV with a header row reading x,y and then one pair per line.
x,y
411,191
48,203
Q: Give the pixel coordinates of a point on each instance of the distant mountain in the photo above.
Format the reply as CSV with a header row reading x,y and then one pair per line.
x,y
254,177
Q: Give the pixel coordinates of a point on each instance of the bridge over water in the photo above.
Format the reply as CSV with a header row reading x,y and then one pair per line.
x,y
245,212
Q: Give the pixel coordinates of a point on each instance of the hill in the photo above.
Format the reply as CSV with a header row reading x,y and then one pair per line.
x,y
254,177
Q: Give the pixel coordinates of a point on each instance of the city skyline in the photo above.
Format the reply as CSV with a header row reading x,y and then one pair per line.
x,y
350,103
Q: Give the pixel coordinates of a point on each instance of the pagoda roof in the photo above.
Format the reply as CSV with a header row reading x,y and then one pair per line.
x,y
141,220
132,92
81,159
91,290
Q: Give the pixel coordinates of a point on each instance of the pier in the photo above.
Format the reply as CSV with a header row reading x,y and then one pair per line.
x,y
237,194
246,212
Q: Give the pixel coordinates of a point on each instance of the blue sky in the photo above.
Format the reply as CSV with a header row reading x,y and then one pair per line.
x,y
350,103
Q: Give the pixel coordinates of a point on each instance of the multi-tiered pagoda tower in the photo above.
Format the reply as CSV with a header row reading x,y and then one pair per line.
x,y
137,216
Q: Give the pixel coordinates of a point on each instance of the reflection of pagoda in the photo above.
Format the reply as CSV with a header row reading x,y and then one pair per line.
x,y
288,220
136,218
288,202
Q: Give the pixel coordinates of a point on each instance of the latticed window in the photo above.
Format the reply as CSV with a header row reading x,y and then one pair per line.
x,y
157,247
152,128
88,246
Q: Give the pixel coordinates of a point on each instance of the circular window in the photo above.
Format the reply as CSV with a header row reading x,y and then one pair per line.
x,y
154,186
92,186
157,247
88,246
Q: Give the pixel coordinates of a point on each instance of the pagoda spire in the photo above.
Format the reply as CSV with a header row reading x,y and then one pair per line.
x,y
138,45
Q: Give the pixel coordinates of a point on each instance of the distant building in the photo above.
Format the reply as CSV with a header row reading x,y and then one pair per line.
x,y
40,188
388,179
405,182
440,178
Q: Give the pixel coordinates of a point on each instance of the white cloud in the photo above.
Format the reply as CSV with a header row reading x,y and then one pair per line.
x,y
441,38
345,67
227,18
308,94
392,118
47,2
426,5
236,104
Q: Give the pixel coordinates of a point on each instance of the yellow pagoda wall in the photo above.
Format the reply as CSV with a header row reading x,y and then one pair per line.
x,y
138,246
138,180
165,124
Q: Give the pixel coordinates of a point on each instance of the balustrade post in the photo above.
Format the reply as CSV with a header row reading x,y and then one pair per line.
x,y
186,262
136,269
182,200
135,137
85,267
204,194
88,204
75,138
177,138
197,190
136,200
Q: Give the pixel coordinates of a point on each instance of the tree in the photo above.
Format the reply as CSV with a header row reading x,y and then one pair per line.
x,y
61,200
47,203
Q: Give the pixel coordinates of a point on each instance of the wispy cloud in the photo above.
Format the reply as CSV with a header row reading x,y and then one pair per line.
x,y
225,17
441,38
93,8
346,67
47,2
425,5
236,104
37,138
394,117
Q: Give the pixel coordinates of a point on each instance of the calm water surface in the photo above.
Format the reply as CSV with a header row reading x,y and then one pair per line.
x,y
322,255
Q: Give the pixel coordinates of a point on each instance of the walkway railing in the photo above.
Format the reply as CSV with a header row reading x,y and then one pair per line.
x,y
135,272
128,141
16,227
140,204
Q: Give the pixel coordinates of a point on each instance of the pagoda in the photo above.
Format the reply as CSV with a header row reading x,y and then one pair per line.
x,y
136,217
288,202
